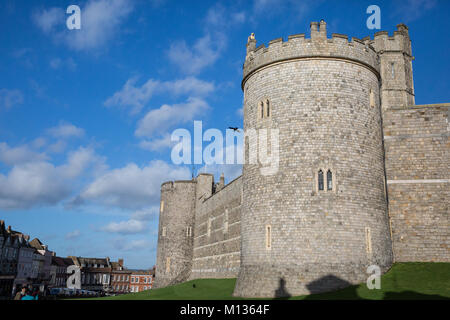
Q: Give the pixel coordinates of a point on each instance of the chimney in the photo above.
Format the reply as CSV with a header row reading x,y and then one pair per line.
x,y
120,262
9,229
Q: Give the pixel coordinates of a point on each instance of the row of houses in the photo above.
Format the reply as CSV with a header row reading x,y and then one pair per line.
x,y
25,262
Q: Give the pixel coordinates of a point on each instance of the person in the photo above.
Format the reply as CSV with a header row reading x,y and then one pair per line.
x,y
28,295
20,294
36,294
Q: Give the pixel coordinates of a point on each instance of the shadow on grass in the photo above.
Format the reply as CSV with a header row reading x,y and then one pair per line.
x,y
331,287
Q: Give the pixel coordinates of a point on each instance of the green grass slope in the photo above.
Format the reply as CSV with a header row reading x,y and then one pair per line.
x,y
403,281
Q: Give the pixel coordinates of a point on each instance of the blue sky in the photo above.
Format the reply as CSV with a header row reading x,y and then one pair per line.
x,y
85,115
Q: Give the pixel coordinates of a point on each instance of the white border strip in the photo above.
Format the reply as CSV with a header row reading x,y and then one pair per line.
x,y
217,255
418,181
218,242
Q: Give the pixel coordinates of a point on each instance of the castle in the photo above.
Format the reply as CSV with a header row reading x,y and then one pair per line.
x,y
363,174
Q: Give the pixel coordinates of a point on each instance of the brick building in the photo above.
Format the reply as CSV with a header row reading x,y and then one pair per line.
x,y
120,278
141,280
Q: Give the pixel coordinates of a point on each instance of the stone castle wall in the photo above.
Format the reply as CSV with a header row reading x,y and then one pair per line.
x,y
339,105
217,234
174,252
322,109
418,175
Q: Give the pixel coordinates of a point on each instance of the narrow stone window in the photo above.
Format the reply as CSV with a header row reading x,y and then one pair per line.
x,y
225,221
372,98
392,70
161,207
209,227
320,180
261,110
268,237
188,231
368,242
329,180
168,265
267,108
163,231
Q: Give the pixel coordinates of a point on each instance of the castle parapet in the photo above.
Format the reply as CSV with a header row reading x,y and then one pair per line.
x,y
318,46
400,41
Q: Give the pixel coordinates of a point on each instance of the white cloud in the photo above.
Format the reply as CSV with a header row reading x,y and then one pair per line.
x,y
73,235
136,224
132,96
57,147
9,98
49,19
80,160
157,144
204,52
132,186
126,227
32,184
19,155
137,97
122,245
66,130
158,121
100,23
38,183
146,214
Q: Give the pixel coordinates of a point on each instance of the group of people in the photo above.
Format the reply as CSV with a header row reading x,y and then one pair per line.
x,y
27,293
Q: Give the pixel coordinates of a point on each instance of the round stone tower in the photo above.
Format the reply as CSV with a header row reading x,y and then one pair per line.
x,y
317,222
175,233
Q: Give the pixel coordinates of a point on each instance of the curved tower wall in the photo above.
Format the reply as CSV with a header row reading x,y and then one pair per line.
x,y
175,241
319,93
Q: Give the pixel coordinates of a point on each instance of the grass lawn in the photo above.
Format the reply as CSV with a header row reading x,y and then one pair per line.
x,y
403,281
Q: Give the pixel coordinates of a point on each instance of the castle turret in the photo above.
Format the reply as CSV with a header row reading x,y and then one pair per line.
x,y
397,87
318,222
175,233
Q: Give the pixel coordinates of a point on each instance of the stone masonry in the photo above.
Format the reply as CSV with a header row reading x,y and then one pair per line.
x,y
363,174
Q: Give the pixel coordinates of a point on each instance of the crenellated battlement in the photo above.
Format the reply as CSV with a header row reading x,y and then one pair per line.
x,y
317,46
170,185
383,42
